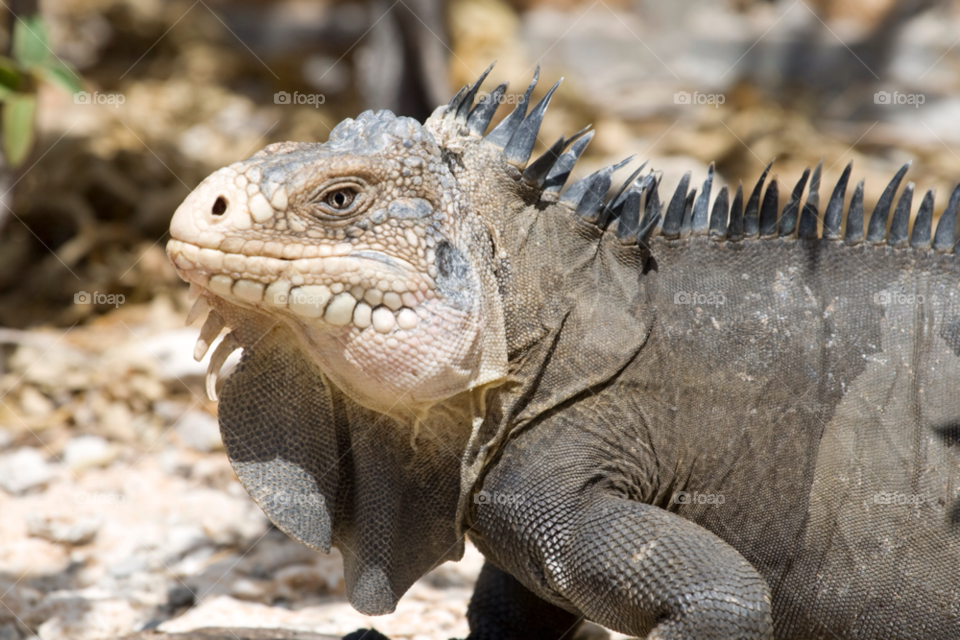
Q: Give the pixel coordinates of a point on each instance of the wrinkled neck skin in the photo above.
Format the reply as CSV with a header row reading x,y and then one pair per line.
x,y
549,264
574,305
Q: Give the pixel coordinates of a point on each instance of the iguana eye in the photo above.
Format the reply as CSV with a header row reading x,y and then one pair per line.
x,y
340,199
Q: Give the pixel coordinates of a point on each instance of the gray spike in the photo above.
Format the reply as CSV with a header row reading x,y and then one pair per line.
x,y
791,211
735,225
674,217
648,181
833,217
648,230
652,208
502,133
920,238
561,170
947,228
751,221
877,231
518,150
901,218
769,210
718,217
853,234
537,172
687,224
617,199
700,207
651,216
482,113
578,189
591,204
628,224
463,110
574,194
611,209
454,103
810,213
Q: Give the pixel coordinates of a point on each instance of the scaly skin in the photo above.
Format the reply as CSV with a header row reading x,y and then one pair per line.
x,y
434,344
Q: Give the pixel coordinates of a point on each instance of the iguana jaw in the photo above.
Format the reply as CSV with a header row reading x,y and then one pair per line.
x,y
384,300
339,289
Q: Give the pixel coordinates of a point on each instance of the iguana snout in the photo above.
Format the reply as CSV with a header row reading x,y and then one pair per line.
x,y
356,245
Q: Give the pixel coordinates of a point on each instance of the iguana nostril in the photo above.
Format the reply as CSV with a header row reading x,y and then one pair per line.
x,y
219,206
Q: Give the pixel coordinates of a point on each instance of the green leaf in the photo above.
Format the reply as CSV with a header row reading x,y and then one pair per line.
x,y
10,76
30,41
6,93
61,75
17,127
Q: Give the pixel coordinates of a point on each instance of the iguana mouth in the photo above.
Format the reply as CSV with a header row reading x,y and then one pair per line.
x,y
364,288
371,319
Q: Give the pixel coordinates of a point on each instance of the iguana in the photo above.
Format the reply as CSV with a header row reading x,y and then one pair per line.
x,y
679,421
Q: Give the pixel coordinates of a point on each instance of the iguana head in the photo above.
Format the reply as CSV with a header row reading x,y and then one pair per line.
x,y
381,284
365,246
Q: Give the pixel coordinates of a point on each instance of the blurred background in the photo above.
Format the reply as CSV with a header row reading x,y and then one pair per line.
x,y
119,513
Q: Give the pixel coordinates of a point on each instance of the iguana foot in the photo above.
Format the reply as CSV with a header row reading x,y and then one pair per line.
x,y
503,609
365,634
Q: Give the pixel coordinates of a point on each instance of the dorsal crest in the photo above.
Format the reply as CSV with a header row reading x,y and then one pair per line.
x,y
633,212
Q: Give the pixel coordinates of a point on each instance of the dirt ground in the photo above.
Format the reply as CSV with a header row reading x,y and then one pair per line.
x,y
120,512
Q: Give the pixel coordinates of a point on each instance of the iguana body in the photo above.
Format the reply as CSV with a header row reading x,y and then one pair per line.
x,y
733,425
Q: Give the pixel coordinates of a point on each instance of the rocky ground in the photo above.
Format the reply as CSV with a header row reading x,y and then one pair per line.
x,y
120,512
128,520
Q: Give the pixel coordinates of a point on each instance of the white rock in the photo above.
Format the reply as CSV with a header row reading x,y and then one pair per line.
x,y
129,566
89,451
63,529
199,430
24,469
34,403
77,618
116,422
183,539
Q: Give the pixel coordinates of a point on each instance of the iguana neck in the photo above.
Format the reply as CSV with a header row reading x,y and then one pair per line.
x,y
547,260
566,286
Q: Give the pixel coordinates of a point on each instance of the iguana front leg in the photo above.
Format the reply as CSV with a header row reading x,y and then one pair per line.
x,y
642,570
639,570
554,514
